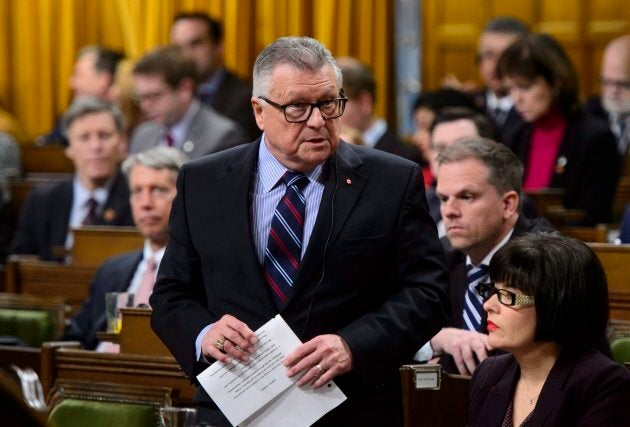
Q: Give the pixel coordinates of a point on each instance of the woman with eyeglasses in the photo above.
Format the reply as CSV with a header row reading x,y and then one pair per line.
x,y
547,308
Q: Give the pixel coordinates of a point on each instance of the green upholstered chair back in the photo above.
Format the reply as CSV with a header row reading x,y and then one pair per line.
x,y
621,350
32,319
80,413
77,403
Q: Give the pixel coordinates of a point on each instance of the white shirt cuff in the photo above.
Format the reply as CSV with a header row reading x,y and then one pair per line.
x,y
202,334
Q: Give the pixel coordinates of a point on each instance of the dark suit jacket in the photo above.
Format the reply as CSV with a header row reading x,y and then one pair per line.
x,y
114,275
208,132
45,216
392,144
624,232
581,390
593,166
595,108
510,126
373,271
233,100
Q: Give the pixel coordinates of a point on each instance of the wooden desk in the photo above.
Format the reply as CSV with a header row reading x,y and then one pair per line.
x,y
26,275
94,244
76,364
616,262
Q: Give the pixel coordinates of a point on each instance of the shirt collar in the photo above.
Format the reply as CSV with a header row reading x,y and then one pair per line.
x,y
504,103
147,252
374,132
488,258
82,195
270,170
211,85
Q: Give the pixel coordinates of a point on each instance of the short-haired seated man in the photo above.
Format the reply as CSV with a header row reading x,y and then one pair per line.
x,y
152,176
97,193
479,183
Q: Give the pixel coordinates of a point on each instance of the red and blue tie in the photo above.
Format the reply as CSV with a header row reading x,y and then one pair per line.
x,y
284,247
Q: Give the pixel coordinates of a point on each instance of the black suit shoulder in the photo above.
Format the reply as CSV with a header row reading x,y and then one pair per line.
x,y
233,99
43,220
391,143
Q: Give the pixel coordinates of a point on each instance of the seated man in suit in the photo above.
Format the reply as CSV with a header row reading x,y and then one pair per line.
x,y
202,38
360,88
97,194
613,105
479,186
165,82
93,75
152,176
498,33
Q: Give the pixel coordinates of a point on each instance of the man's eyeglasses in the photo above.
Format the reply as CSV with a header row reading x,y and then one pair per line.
x,y
299,112
617,84
510,299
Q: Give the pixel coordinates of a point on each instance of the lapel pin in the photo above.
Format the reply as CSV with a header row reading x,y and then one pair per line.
x,y
348,181
560,165
109,215
188,146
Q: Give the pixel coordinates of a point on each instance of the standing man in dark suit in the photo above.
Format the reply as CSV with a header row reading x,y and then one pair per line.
x,y
360,88
479,183
165,82
613,106
152,176
364,283
497,35
97,194
202,38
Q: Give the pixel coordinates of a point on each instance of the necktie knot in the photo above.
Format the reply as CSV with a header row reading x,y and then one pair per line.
x,y
297,179
473,304
91,217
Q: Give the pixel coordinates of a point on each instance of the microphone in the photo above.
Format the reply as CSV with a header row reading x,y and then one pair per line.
x,y
330,230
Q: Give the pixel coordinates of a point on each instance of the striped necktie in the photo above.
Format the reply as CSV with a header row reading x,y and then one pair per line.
x,y
473,304
284,247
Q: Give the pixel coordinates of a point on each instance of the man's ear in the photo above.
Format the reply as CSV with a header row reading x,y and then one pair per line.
x,y
511,201
365,100
258,112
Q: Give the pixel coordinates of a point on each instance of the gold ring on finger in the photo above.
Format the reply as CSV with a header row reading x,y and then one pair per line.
x,y
320,368
220,344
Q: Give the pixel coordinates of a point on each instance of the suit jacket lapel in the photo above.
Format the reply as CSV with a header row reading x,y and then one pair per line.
x,y
235,187
342,189
60,218
499,397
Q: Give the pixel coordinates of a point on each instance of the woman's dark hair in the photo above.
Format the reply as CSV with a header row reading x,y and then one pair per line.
x,y
436,100
567,282
540,55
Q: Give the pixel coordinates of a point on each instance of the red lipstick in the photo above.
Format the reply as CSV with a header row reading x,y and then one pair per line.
x,y
491,326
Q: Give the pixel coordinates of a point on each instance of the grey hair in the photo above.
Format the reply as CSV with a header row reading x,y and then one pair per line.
x,y
85,105
505,169
156,158
302,53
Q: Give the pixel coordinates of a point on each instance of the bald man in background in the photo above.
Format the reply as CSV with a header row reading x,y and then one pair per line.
x,y
613,105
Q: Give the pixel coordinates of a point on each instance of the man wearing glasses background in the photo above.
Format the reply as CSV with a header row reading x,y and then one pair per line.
x,y
613,105
165,82
336,238
479,186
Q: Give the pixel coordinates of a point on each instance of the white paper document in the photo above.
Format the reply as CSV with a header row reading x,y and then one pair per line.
x,y
259,394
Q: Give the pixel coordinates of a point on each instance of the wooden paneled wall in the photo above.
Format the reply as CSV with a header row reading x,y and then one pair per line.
x,y
451,29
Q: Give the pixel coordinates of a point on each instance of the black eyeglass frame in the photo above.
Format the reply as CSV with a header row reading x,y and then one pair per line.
x,y
505,297
341,100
